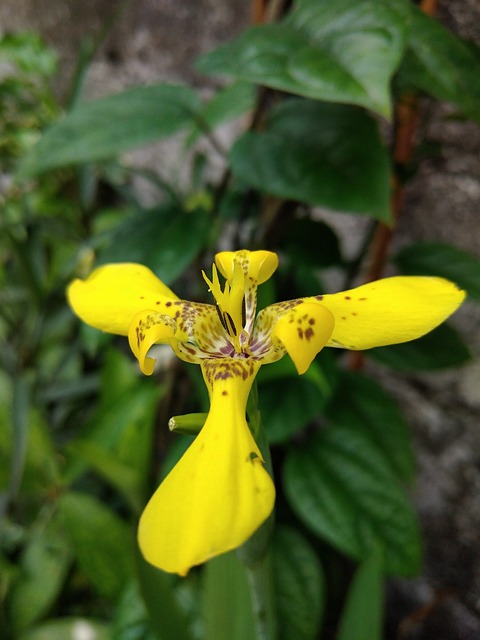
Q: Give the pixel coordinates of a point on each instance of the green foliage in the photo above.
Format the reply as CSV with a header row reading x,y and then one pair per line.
x,y
84,438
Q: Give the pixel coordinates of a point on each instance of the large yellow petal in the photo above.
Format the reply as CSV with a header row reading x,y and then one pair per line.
x,y
390,311
219,493
303,330
110,297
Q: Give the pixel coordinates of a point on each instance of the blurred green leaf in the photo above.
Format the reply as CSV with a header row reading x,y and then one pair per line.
x,y
322,154
43,567
69,629
227,613
166,239
120,475
362,616
104,128
21,426
444,260
441,64
373,412
300,587
345,51
157,588
441,348
103,543
229,103
342,486
130,621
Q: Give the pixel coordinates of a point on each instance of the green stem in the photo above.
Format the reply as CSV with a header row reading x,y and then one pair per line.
x,y
263,606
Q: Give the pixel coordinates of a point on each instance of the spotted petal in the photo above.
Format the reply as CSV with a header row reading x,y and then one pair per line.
x,y
110,297
390,311
219,493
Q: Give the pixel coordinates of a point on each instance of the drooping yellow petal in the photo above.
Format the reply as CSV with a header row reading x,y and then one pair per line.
x,y
110,297
146,329
219,493
390,311
303,330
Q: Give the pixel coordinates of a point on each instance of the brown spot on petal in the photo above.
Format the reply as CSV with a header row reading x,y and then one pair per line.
x,y
309,333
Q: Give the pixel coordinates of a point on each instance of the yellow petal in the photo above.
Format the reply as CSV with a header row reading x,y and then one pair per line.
x,y
110,297
258,265
146,329
303,330
219,493
390,311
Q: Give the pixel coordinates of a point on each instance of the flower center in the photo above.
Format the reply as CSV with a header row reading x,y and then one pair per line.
x,y
230,304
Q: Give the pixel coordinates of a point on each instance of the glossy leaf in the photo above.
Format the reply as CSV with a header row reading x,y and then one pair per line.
x,y
299,586
104,128
373,412
321,154
343,488
345,51
362,616
227,613
441,64
441,348
437,259
166,240
103,543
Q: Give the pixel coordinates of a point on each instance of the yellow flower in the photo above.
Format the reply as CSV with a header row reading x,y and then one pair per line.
x,y
219,493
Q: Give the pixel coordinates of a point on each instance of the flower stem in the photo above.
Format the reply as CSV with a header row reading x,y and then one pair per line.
x,y
263,606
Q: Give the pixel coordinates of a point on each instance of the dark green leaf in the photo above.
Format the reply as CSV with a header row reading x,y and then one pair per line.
x,y
345,51
441,348
167,240
341,485
299,586
102,542
440,64
104,128
157,588
373,412
227,613
329,155
437,259
362,616
287,405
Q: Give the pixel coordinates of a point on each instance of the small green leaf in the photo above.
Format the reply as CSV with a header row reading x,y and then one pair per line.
x,y
322,154
341,485
373,412
299,586
441,348
345,51
104,128
444,260
166,239
103,543
362,616
441,64
227,613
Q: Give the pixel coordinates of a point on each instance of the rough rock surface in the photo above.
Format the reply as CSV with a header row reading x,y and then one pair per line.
x,y
158,40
